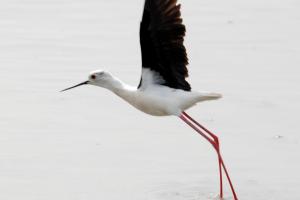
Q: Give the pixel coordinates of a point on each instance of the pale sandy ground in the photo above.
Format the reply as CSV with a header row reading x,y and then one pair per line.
x,y
88,144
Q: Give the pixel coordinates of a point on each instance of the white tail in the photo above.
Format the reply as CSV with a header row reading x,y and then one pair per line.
x,y
206,96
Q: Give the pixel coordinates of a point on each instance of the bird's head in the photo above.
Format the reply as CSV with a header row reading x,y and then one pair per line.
x,y
98,78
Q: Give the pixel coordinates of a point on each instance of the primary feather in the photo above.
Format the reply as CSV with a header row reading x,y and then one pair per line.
x,y
161,38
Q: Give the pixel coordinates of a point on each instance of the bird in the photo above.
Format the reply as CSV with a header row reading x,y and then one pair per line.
x,y
163,89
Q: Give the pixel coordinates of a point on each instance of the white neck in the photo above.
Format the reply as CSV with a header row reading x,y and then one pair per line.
x,y
121,89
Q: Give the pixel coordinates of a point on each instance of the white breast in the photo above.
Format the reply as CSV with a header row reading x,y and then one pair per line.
x,y
159,100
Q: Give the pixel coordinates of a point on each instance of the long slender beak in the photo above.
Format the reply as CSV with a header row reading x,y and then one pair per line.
x,y
83,83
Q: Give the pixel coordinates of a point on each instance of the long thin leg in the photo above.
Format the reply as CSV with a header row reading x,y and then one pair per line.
x,y
221,177
216,146
215,142
218,150
212,142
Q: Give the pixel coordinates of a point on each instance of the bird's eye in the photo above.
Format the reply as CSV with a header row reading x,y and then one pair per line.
x,y
93,76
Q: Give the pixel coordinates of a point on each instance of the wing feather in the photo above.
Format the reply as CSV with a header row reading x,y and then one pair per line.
x,y
162,36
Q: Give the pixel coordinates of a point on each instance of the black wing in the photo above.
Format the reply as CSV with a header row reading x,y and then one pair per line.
x,y
161,37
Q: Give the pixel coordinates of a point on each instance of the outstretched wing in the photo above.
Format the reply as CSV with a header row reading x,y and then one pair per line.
x,y
164,57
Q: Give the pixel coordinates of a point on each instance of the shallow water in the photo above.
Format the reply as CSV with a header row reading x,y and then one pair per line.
x,y
88,144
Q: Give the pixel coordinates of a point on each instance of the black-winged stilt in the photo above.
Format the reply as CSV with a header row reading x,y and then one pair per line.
x,y
163,90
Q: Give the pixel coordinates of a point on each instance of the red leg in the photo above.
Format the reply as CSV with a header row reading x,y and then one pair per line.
x,y
218,150
221,177
216,146
215,142
212,142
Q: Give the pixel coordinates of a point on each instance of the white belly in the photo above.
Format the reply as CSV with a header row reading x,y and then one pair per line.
x,y
163,101
156,106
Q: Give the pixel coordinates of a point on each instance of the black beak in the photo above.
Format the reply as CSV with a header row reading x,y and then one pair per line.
x,y
83,83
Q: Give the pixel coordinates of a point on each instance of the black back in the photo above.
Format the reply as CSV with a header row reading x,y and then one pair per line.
x,y
161,37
